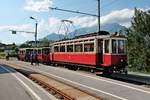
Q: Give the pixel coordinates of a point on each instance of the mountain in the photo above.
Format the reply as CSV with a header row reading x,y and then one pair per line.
x,y
54,36
114,27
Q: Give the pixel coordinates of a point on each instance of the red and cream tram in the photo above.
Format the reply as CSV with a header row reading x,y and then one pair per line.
x,y
94,51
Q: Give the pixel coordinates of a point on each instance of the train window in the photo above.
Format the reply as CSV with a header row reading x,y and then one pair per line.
x,y
47,51
39,51
114,46
100,46
106,46
43,51
78,48
50,49
121,46
62,49
56,49
89,47
70,48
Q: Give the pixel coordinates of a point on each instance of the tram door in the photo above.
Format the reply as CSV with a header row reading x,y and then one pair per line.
x,y
100,52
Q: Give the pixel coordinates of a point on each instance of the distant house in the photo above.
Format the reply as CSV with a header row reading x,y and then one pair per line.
x,y
39,43
32,43
2,46
6,47
8,51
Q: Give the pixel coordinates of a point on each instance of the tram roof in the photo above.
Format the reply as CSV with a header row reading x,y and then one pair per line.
x,y
33,48
100,35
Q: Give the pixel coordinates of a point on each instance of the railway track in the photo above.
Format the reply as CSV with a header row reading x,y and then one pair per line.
x,y
91,81
60,90
134,79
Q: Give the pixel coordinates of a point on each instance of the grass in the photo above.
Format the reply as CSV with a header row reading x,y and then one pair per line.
x,y
3,56
138,71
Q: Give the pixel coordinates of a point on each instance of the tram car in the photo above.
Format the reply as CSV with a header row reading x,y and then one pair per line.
x,y
21,53
44,55
24,54
94,51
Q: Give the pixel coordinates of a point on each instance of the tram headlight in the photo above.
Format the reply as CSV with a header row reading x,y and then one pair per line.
x,y
121,60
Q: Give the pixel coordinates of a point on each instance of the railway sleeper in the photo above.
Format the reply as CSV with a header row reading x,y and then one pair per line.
x,y
72,94
55,91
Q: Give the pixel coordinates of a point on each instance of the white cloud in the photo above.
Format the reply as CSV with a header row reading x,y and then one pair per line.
x,y
45,27
15,27
48,26
52,24
24,27
122,17
38,5
18,38
83,21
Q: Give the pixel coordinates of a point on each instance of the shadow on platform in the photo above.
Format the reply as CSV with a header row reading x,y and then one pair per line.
x,y
5,69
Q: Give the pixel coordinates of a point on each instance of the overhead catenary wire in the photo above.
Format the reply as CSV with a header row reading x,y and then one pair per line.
x,y
78,12
72,11
83,13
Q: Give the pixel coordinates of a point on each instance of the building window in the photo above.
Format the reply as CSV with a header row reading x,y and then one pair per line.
x,y
106,46
89,47
78,48
114,46
69,48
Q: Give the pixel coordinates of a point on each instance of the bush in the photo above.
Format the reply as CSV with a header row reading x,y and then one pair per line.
x,y
2,55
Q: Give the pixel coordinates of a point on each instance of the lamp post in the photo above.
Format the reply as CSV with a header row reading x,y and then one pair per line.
x,y
36,25
98,9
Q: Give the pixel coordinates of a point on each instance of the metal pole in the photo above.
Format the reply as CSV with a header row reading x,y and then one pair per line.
x,y
98,9
36,24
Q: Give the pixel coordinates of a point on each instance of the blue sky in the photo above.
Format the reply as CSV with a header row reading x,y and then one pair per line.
x,y
15,15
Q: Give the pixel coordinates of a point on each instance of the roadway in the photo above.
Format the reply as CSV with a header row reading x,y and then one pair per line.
x,y
15,86
100,86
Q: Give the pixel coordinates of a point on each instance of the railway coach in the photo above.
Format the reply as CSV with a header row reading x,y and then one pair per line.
x,y
102,51
24,54
44,55
94,51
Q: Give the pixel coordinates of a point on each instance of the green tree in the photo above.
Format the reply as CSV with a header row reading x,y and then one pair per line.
x,y
139,41
44,42
24,45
